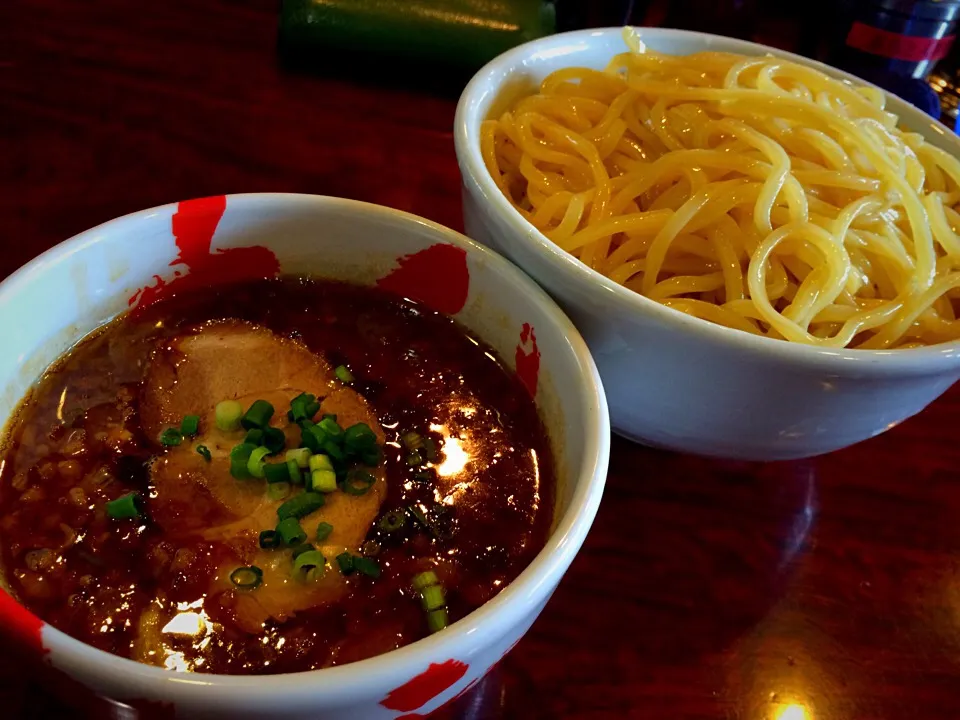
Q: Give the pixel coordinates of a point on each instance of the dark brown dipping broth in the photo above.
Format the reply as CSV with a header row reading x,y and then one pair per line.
x,y
76,443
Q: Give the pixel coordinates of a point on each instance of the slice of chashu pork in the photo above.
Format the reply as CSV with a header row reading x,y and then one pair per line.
x,y
232,360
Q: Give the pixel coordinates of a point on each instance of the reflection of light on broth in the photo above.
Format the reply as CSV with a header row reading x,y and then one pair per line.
x,y
455,456
190,621
793,711
187,623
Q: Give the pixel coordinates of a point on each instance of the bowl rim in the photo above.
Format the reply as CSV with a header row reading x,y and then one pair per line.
x,y
495,617
486,84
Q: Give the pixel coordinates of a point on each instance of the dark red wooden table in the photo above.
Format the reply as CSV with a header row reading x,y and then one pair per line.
x,y
820,590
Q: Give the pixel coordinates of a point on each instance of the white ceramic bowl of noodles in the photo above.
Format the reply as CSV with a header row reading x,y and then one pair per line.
x,y
673,380
61,296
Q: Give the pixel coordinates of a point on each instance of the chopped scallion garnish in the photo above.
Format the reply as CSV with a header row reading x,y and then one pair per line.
x,y
309,566
205,452
412,441
258,415
432,597
323,531
358,482
171,437
239,457
247,578
290,532
257,461
367,566
324,481
320,462
437,619
276,472
345,561
301,456
300,505
301,407
293,470
425,580
228,414
270,539
274,439
343,374
190,425
392,521
125,506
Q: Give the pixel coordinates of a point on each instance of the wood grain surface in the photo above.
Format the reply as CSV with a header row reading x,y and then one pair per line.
x,y
826,589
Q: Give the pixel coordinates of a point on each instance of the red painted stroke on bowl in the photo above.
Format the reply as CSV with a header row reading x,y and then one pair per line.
x,y
436,276
426,686
21,624
193,226
527,359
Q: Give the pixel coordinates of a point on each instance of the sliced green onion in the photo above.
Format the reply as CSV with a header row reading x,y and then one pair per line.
x,y
392,521
320,462
323,531
205,452
313,437
330,416
293,470
359,437
412,440
239,457
437,619
358,482
254,436
367,566
190,425
419,516
324,481
300,549
425,580
330,427
331,448
345,561
258,416
270,539
343,374
301,456
309,566
300,505
300,407
431,598
257,461
290,532
228,414
171,437
276,472
278,490
125,506
274,439
415,459
312,409
430,449
247,578
371,457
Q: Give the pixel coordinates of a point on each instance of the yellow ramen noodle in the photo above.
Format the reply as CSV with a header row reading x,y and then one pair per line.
x,y
749,191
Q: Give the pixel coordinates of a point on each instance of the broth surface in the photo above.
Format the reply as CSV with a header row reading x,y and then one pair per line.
x,y
77,442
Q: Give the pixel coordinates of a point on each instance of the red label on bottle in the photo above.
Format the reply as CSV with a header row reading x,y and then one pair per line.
x,y
899,47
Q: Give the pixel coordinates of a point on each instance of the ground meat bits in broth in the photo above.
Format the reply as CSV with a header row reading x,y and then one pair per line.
x,y
125,587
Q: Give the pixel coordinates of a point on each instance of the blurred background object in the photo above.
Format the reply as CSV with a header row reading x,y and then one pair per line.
x,y
449,37
441,43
